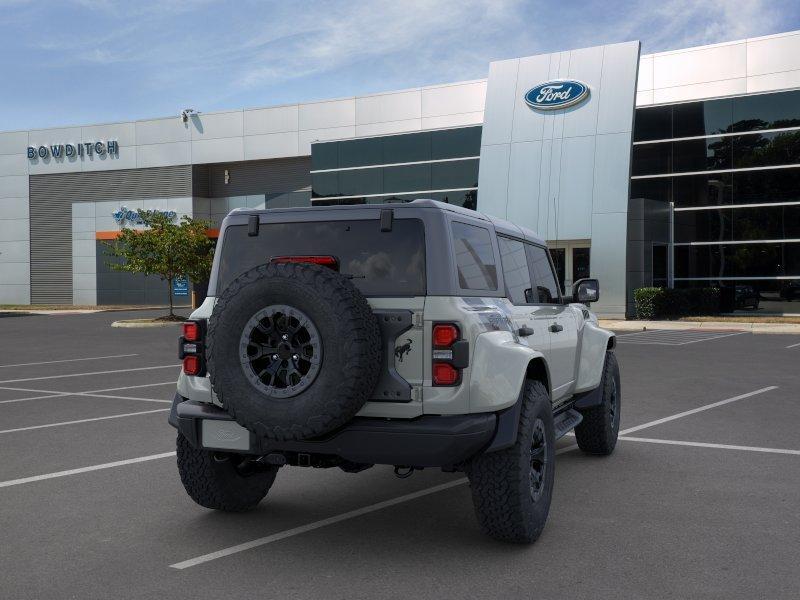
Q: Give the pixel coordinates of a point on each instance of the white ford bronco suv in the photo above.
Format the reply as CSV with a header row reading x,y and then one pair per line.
x,y
414,335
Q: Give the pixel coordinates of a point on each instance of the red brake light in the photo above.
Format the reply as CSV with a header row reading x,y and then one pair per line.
x,y
325,261
444,374
191,331
191,365
445,335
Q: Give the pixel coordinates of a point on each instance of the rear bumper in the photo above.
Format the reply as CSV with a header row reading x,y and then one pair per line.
x,y
427,441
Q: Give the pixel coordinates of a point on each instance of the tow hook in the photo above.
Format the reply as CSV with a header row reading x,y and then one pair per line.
x,y
274,458
403,472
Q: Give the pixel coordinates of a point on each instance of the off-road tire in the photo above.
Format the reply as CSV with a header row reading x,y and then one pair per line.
x,y
598,431
212,480
351,350
501,481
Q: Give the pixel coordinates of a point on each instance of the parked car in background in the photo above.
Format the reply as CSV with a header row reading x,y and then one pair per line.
x,y
746,297
790,291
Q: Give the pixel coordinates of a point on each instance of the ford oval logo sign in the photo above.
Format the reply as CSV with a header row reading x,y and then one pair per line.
x,y
556,94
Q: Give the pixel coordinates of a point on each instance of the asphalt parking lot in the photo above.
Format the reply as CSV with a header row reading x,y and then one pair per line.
x,y
700,499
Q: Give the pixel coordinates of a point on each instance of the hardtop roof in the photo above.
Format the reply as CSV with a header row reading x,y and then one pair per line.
x,y
501,225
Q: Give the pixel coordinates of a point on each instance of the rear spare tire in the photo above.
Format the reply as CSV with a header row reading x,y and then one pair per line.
x,y
294,350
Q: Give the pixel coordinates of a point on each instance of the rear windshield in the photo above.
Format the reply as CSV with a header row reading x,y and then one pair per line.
x,y
390,263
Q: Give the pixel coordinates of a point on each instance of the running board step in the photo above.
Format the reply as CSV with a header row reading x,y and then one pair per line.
x,y
566,421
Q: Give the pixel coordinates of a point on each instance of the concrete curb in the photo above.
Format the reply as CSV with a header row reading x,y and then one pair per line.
x,y
711,325
144,323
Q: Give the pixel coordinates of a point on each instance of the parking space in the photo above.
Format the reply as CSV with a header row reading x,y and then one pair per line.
x,y
699,500
682,337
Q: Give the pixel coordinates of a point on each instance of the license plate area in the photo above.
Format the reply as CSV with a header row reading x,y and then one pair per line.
x,y
224,435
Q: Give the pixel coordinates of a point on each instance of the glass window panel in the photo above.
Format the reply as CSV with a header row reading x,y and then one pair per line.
x,y
325,184
454,143
766,149
407,179
456,174
467,199
652,159
778,185
559,256
738,260
385,263
702,118
360,153
702,190
702,155
653,189
361,181
766,111
515,270
413,147
545,290
474,257
653,123
703,225
325,156
580,263
660,262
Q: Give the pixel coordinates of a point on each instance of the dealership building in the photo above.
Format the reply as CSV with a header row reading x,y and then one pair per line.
x,y
677,168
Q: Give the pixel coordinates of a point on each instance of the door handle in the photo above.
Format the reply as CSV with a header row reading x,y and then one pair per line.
x,y
524,331
555,328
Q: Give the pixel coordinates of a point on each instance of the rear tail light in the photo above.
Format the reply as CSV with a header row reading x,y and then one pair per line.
x,y
191,349
191,365
325,261
450,354
191,331
445,374
444,335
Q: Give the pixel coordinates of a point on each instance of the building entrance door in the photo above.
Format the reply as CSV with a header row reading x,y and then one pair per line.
x,y
572,262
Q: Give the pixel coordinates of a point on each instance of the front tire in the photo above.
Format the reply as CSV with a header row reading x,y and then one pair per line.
x,y
214,480
512,488
598,432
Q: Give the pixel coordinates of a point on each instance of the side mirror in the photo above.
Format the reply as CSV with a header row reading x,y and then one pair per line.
x,y
586,291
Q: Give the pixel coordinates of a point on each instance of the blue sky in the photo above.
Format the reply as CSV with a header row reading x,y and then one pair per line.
x,y
91,61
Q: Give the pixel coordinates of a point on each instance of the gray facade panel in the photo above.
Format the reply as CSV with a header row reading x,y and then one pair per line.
x,y
51,199
259,177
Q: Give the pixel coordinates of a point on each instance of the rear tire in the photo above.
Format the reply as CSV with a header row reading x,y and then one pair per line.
x,y
597,433
212,480
512,488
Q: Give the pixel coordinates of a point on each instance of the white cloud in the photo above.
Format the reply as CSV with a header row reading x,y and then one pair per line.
x,y
675,24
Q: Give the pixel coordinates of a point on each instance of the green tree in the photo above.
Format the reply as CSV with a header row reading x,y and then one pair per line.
x,y
165,248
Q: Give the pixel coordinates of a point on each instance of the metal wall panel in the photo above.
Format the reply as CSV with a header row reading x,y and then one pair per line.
x,y
565,173
259,177
51,199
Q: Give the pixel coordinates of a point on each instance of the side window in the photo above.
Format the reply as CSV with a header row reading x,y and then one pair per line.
x,y
474,257
545,286
515,271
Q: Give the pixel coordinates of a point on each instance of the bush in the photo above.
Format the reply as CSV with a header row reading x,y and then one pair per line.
x,y
646,300
660,303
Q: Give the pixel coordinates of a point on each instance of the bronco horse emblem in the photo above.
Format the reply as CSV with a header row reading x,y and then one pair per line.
x,y
401,351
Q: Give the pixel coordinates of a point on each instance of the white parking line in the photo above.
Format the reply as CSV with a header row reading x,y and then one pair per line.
x,y
669,337
159,400
133,414
707,445
282,535
792,346
697,410
173,366
118,463
89,393
66,360
13,400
